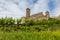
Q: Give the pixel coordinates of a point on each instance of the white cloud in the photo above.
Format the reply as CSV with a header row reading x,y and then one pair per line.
x,y
56,11
40,6
8,8
16,8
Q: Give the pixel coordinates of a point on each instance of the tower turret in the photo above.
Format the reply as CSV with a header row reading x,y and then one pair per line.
x,y
47,15
27,12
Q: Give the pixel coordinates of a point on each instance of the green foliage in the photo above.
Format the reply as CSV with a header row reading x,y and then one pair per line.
x,y
29,22
18,21
10,20
43,35
29,25
42,22
7,21
10,29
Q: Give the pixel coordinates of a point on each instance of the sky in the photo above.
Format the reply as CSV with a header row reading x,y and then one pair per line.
x,y
17,8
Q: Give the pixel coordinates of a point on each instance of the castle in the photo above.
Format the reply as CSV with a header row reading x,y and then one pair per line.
x,y
37,16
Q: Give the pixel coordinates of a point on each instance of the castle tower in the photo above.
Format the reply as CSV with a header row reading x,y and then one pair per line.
x,y
47,15
27,12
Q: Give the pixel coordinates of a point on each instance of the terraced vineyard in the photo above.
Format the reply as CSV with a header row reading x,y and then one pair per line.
x,y
11,29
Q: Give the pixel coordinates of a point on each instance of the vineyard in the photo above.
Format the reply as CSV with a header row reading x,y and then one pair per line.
x,y
11,29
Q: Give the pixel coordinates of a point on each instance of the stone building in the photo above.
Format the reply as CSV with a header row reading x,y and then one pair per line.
x,y
37,16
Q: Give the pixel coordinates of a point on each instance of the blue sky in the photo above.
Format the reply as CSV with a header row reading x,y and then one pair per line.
x,y
17,8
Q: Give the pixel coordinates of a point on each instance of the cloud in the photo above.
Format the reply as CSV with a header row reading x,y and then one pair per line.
x,y
40,6
56,11
9,8
17,8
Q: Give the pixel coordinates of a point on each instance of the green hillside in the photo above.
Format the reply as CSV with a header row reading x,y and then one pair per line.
x,y
11,29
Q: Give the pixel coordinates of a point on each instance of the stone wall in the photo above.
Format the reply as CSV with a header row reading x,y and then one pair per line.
x,y
40,16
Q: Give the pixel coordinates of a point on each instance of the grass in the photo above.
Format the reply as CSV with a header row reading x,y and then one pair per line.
x,y
43,35
35,32
31,33
30,30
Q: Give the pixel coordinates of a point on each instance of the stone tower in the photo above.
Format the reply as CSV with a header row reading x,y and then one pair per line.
x,y
27,12
47,15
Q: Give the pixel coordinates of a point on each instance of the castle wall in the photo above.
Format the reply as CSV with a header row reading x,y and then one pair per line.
x,y
38,16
